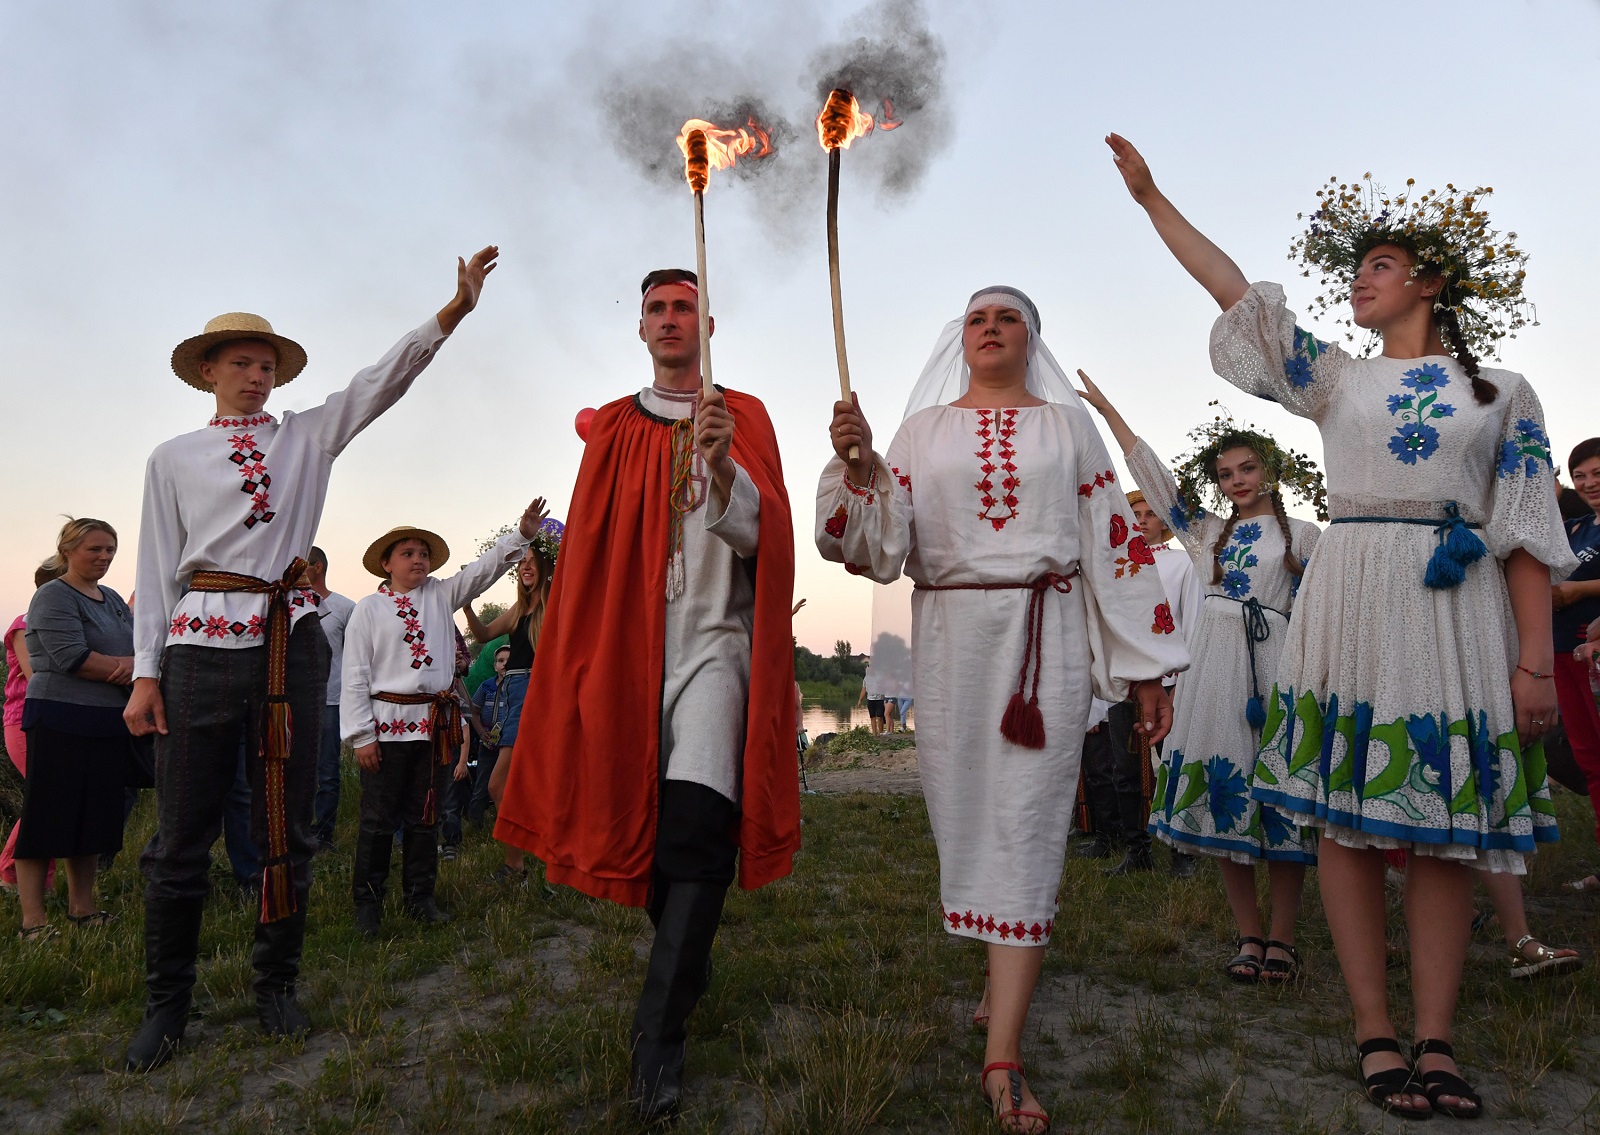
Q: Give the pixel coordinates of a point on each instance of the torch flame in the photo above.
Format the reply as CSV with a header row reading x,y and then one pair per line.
x,y
707,146
842,120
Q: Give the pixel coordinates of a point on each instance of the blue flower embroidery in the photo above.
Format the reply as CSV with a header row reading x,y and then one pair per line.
x,y
1179,518
1525,450
1414,440
1236,583
1297,369
1432,745
1227,791
1428,376
1485,754
1247,533
1398,402
1275,827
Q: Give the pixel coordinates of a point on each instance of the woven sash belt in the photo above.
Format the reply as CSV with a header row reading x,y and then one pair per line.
x,y
444,723
1256,629
1022,723
1458,546
277,728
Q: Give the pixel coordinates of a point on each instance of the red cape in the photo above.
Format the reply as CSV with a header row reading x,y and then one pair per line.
x,y
581,793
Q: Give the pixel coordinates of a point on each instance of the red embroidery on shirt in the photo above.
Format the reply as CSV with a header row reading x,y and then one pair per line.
x,y
252,467
834,526
1101,480
180,625
1119,530
1139,556
905,481
424,727
1163,623
215,626
243,423
256,627
413,637
1005,427
1006,931
869,491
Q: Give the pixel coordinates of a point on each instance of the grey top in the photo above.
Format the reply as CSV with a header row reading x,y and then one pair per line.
x,y
64,626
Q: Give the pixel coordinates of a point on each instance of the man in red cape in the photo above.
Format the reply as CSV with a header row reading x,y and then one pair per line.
x,y
657,739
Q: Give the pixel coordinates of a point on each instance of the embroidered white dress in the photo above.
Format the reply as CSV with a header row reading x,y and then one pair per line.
x,y
1392,723
1004,497
406,644
245,495
1202,801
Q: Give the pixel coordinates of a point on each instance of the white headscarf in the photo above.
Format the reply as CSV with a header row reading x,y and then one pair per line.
x,y
945,375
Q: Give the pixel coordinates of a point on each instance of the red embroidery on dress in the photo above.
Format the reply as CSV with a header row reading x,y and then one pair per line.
x,y
413,637
243,423
1163,623
1139,556
1005,426
905,481
1006,931
868,492
252,467
834,526
1119,530
1101,480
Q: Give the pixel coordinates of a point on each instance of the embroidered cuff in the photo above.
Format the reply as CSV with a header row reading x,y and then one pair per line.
x,y
871,490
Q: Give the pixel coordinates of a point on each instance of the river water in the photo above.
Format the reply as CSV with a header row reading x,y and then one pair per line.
x,y
819,719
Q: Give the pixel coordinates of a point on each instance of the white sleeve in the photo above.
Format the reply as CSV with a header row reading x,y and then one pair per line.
x,y
357,726
375,389
478,576
868,530
739,524
156,588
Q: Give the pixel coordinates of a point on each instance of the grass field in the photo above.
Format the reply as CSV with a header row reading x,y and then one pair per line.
x,y
838,1005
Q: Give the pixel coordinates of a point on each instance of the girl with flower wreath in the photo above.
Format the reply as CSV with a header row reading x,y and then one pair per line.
x,y
1415,685
1249,562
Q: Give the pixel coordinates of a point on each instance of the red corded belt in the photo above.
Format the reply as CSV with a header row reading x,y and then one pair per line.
x,y
1022,723
444,723
277,731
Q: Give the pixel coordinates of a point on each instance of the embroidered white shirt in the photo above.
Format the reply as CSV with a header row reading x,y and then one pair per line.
x,y
406,644
245,495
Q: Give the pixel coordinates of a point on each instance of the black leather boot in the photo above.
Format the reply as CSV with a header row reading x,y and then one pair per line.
x,y
420,873
1097,846
678,975
171,943
276,959
1133,819
369,877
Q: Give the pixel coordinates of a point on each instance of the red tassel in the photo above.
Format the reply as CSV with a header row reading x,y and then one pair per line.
x,y
277,892
1023,724
428,808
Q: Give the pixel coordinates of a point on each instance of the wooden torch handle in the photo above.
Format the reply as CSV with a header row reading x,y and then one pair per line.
x,y
833,284
705,299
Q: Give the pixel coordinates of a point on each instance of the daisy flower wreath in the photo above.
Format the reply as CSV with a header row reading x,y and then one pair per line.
x,y
1286,468
1447,233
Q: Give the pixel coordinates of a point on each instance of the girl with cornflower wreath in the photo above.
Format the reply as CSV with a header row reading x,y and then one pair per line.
x,y
1415,685
1249,562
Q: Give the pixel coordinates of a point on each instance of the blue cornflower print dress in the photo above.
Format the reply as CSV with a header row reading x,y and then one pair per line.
x,y
1202,800
1392,723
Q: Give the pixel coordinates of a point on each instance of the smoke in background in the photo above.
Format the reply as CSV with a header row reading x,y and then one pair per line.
x,y
889,53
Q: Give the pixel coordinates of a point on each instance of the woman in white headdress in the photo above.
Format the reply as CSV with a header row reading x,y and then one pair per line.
x,y
1033,592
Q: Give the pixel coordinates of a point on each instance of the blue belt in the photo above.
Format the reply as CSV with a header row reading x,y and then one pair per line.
x,y
1458,546
1256,629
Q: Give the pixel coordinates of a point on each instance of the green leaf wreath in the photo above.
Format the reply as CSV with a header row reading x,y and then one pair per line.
x,y
1284,468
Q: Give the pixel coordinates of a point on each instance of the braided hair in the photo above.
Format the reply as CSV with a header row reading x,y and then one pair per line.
x,y
1222,542
1449,324
1291,562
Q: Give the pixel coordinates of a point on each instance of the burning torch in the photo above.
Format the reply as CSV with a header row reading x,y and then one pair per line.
x,y
706,147
839,123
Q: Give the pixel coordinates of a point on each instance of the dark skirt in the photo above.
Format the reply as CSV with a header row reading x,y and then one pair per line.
x,y
72,801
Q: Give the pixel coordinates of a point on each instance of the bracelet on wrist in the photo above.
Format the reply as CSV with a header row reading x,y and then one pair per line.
x,y
1533,673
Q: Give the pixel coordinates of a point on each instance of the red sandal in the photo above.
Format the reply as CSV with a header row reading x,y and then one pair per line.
x,y
1014,1083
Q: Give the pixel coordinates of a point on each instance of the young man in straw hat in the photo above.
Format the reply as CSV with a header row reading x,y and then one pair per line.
x,y
663,748
398,707
222,647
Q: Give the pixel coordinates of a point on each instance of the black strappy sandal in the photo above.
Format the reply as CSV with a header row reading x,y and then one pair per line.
x,y
1276,971
1441,1083
1246,961
1382,1087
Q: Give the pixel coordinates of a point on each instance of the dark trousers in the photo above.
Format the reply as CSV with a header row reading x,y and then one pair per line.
x,y
458,796
243,854
211,695
328,776
478,803
1112,780
394,799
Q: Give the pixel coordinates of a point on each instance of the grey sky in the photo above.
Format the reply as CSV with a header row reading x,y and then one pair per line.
x,y
322,164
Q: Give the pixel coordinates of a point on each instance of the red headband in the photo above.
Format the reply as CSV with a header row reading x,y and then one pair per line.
x,y
690,284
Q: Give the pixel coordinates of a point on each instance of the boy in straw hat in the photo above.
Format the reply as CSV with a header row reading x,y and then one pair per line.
x,y
398,707
222,647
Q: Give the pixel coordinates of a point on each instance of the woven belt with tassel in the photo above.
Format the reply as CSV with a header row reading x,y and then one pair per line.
x,y
1256,629
444,722
277,731
1023,724
1459,547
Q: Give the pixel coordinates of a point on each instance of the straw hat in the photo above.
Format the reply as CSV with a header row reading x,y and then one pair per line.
x,y
438,550
186,355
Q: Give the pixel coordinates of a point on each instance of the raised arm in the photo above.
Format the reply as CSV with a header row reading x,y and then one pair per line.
x,y
1120,429
1207,263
